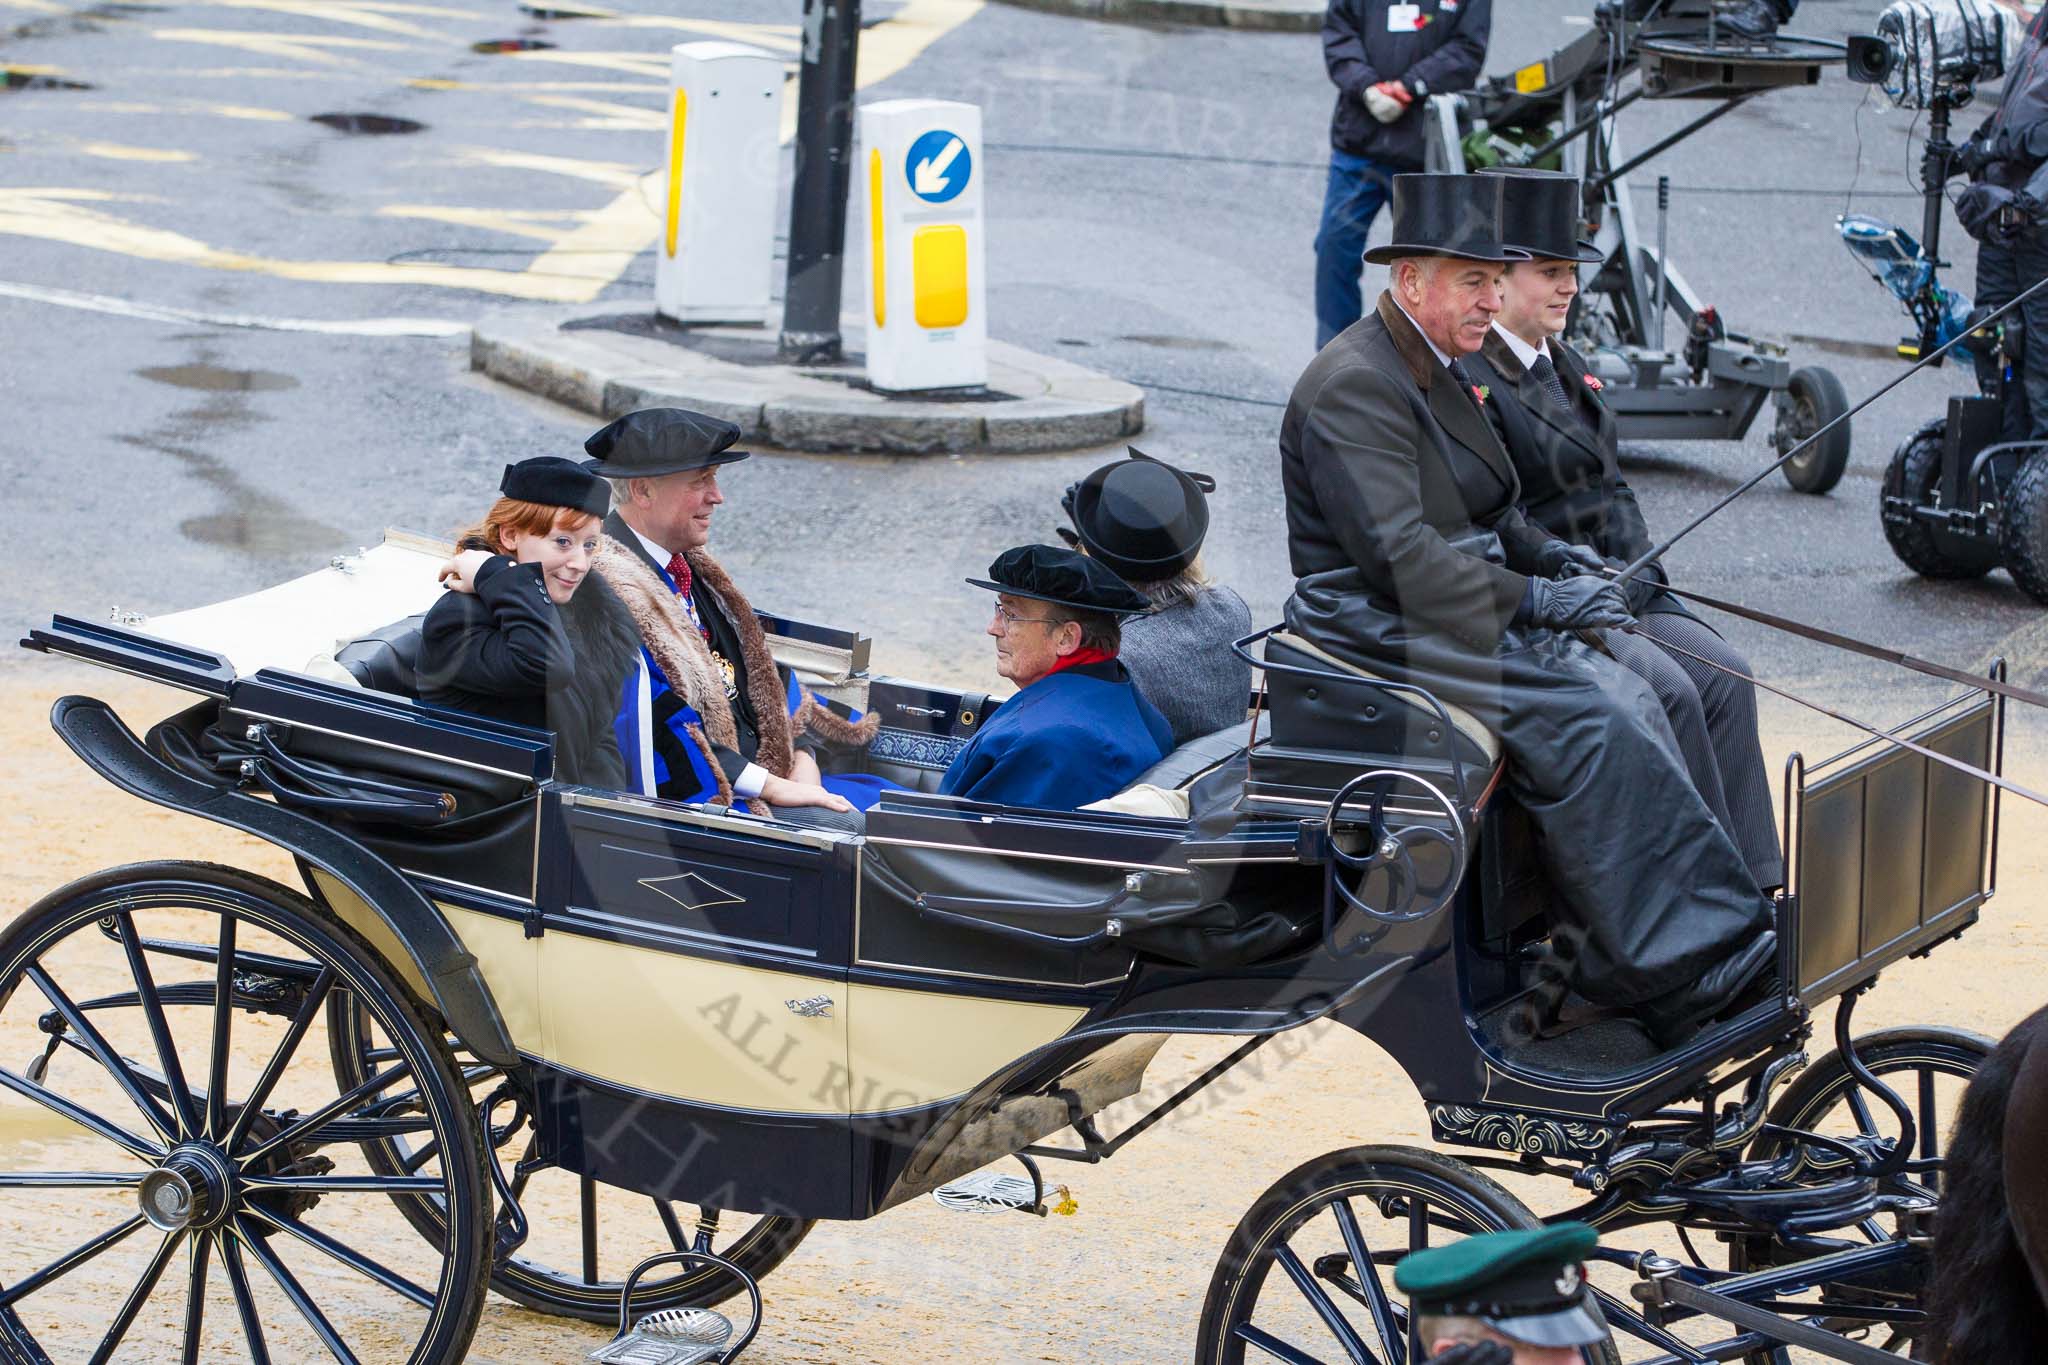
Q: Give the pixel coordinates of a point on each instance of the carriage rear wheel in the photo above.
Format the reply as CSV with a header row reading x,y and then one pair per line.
x,y
584,1237
173,1110
1929,1068
1334,1228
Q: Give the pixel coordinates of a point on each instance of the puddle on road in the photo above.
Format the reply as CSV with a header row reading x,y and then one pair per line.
x,y
248,520
120,11
1176,343
14,79
369,125
561,12
218,379
492,46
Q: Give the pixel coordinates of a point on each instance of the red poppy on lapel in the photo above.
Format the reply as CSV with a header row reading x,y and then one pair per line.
x,y
1481,392
1594,384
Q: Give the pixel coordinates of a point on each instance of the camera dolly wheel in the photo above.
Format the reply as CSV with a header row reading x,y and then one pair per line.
x,y
1813,398
2023,530
1912,481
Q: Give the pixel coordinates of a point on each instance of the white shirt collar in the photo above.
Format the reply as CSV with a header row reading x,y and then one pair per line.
x,y
1524,352
1441,358
659,554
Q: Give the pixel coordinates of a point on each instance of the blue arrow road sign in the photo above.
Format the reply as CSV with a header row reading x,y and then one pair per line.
x,y
938,166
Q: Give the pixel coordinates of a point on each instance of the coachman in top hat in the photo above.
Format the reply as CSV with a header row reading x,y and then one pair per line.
x,y
1412,562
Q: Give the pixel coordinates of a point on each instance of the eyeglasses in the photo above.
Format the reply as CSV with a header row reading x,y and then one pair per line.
x,y
1010,618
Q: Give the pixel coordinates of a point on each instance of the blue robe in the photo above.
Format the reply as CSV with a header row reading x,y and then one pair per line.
x,y
1068,739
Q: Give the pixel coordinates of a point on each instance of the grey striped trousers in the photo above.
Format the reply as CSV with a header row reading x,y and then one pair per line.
x,y
1714,717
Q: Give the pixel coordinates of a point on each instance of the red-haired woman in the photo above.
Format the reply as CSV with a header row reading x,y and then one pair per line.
x,y
528,633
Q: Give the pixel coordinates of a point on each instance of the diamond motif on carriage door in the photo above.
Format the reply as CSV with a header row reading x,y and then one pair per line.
x,y
692,891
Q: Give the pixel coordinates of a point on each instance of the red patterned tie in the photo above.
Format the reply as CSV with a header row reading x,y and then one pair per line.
x,y
679,570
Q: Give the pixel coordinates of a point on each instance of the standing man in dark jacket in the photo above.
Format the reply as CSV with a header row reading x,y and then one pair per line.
x,y
1411,561
1385,60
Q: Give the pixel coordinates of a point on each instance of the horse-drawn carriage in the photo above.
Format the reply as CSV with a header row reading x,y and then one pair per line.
x,y
514,1034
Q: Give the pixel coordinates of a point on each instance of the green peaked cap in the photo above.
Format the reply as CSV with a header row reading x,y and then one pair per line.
x,y
1469,1268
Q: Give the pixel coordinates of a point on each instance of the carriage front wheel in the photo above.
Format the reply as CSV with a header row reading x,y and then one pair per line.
x,y
1308,1273
182,1176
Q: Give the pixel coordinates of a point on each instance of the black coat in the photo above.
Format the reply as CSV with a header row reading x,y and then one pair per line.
x,y
1398,490
508,652
1358,51
1571,474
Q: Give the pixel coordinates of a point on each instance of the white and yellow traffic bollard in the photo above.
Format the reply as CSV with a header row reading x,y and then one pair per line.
x,y
918,163
715,260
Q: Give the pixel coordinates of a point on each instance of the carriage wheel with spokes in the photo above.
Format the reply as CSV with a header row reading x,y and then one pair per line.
x,y
1929,1068
1308,1273
173,1109
584,1237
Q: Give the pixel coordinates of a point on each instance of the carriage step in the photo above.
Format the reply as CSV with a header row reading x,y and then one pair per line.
x,y
671,1336
988,1192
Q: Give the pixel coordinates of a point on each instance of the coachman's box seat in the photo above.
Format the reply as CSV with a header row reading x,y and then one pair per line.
x,y
1333,719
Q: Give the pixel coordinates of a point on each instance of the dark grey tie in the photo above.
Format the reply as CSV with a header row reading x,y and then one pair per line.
x,y
1546,375
1457,369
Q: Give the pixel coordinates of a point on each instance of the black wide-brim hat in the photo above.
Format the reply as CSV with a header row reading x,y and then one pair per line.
x,y
1539,213
1141,517
552,481
656,441
1066,578
1447,215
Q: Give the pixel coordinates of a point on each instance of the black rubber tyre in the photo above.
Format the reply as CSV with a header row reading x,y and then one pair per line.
x,y
245,1145
1455,1200
1813,398
1824,1097
1924,548
636,1228
2023,533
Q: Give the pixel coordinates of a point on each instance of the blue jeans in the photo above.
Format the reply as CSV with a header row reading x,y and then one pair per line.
x,y
1357,190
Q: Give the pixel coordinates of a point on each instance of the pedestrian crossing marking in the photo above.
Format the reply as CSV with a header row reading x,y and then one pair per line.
x,y
632,63
603,172
115,151
185,108
543,225
376,17
494,87
605,115
289,46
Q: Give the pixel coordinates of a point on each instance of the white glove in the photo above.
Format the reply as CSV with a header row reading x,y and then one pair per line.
x,y
1383,106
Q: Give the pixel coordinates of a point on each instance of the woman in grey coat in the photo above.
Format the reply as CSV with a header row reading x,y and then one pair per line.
x,y
1145,520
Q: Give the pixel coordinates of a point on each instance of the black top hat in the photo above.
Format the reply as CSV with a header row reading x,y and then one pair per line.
x,y
1063,577
1446,215
553,481
1142,518
655,441
1540,213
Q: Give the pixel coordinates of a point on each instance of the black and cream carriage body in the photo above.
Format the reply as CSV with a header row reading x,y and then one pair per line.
x,y
729,1027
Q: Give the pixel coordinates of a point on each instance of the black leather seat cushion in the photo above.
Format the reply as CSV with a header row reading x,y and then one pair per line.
x,y
387,659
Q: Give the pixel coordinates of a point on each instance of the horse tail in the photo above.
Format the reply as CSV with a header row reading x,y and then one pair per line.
x,y
1983,1304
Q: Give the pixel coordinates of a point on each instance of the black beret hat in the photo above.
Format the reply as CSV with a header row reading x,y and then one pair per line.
x,y
1143,518
553,481
1064,577
656,441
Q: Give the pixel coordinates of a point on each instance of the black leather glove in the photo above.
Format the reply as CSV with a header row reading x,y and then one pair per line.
x,y
1968,159
1476,1353
1642,591
1561,556
1582,603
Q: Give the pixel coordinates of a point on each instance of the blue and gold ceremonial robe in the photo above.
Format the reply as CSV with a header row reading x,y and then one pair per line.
x,y
1070,738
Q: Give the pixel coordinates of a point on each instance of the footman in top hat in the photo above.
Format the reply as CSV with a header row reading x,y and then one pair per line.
x,y
1145,521
1412,561
1523,1290
713,717
1077,730
1547,407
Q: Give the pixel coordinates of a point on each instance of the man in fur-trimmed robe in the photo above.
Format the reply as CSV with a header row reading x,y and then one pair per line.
x,y
710,716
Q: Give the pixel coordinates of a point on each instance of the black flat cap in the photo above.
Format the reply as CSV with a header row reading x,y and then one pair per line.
x,y
1067,578
656,441
1141,517
553,481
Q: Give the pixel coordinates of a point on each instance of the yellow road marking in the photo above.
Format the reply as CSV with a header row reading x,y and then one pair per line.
x,y
22,69
632,63
608,115
34,6
602,249
114,151
494,87
290,46
789,36
236,111
61,215
355,12
603,172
